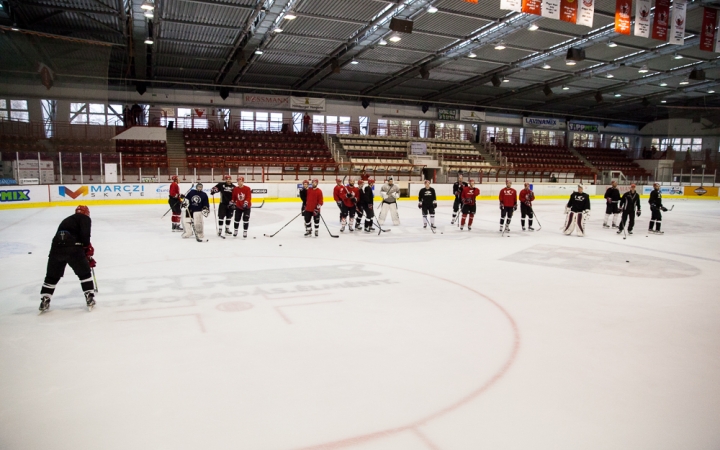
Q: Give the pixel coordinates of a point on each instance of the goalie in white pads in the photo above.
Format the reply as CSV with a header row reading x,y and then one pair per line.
x,y
390,193
578,211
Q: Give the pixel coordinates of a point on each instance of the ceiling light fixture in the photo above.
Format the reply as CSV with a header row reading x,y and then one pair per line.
x,y
505,80
612,44
711,91
546,66
472,55
277,30
147,5
663,84
395,38
290,15
500,46
149,41
618,95
676,56
382,42
150,14
574,55
432,10
609,75
663,101
570,62
643,69
565,88
258,52
353,61
684,82
15,27
533,27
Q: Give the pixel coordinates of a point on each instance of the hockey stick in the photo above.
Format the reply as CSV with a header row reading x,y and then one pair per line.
x,y
219,233
192,225
291,220
327,228
380,229
261,205
92,269
428,223
536,219
186,193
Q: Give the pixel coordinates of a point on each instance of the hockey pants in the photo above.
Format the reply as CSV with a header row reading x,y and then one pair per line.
x,y
244,215
526,210
611,209
56,269
627,215
655,219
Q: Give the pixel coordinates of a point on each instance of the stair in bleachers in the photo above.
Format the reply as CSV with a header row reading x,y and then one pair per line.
x,y
581,157
176,152
485,154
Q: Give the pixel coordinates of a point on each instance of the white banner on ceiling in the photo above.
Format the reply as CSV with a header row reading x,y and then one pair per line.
x,y
642,18
511,5
551,9
544,122
472,116
586,11
266,101
307,103
677,26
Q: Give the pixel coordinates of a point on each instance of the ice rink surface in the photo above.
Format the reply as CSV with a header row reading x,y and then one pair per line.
x,y
403,341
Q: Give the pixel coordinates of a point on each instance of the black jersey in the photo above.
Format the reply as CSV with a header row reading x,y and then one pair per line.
x,y
73,232
367,196
655,199
225,192
303,196
630,201
613,194
578,202
427,197
458,187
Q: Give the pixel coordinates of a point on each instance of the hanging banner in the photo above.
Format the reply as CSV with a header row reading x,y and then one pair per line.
x,y
583,127
265,101
447,114
511,5
586,13
307,103
568,10
551,9
642,18
199,112
661,20
622,16
543,122
470,1
472,116
707,33
677,26
532,7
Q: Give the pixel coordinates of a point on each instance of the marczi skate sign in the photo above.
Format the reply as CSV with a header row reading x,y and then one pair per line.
x,y
97,191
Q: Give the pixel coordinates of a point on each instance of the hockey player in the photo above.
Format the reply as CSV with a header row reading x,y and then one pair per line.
x,y
390,192
655,207
313,202
427,202
71,246
508,204
578,211
175,201
457,192
349,205
224,213
303,194
526,198
612,198
468,198
365,205
241,202
197,208
628,203
338,193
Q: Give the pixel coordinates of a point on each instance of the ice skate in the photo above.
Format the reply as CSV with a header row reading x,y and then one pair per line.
x,y
629,231
606,225
350,228
308,232
227,231
317,233
90,300
523,228
244,233
614,226
469,228
235,233
342,227
619,231
432,225
507,229
531,228
424,225
44,303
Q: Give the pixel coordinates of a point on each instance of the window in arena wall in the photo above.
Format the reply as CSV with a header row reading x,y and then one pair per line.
x,y
364,122
297,118
423,128
331,124
584,140
678,144
96,114
4,109
620,142
247,120
344,125
318,123
276,121
49,112
382,128
18,110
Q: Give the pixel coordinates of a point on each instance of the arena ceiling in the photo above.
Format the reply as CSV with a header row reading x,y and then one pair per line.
x,y
342,49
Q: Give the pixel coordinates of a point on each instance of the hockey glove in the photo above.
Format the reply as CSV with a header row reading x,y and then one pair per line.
x,y
246,205
205,211
434,204
419,205
92,262
501,206
515,207
213,191
663,208
316,212
396,195
181,197
89,251
339,203
638,213
232,205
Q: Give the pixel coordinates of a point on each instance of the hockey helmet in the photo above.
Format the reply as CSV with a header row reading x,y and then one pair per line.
x,y
175,178
82,209
240,179
305,182
338,180
227,178
361,182
315,181
632,186
371,181
199,187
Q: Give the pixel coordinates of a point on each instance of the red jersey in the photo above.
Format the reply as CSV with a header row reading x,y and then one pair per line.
x,y
527,197
351,196
240,195
508,197
174,190
339,193
469,194
314,199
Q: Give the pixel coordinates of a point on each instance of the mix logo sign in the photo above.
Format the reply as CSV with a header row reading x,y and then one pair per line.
x,y
67,192
18,195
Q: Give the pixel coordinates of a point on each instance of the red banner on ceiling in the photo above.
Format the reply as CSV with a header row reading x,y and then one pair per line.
x,y
470,1
661,22
622,16
532,7
568,10
707,33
